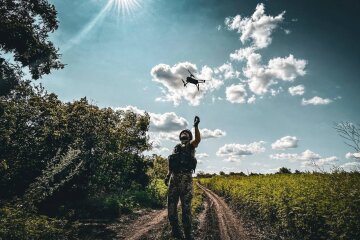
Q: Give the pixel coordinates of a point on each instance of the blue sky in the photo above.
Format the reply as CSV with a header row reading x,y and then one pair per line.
x,y
280,74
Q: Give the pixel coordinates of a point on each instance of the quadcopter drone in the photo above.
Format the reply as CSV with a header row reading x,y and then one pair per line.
x,y
192,79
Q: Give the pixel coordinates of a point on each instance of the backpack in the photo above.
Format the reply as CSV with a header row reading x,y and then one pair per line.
x,y
183,159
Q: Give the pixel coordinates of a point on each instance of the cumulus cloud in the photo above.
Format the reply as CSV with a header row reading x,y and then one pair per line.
x,y
316,101
171,136
351,166
131,109
285,143
260,76
167,122
327,161
307,158
297,90
173,88
251,100
353,155
257,28
276,92
207,133
304,156
233,151
202,155
204,132
226,71
236,93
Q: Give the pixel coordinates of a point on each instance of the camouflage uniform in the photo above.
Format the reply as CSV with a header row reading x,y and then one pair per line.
x,y
180,187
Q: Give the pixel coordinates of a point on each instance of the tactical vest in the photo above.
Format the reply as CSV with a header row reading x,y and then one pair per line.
x,y
183,159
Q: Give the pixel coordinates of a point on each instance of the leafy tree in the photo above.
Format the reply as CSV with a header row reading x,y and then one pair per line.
x,y
35,124
24,31
284,170
159,167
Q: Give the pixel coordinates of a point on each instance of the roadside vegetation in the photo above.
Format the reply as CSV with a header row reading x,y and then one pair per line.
x,y
296,206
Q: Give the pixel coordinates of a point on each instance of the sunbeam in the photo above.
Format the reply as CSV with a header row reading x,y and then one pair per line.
x,y
123,7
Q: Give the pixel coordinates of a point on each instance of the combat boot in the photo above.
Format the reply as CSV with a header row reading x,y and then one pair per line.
x,y
176,233
188,235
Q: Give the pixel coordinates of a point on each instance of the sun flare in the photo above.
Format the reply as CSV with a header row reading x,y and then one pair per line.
x,y
125,7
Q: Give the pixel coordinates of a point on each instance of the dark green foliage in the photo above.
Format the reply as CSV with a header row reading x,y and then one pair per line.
x,y
35,125
16,224
24,29
284,170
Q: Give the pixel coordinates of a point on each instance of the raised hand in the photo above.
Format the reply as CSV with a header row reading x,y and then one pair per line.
x,y
196,121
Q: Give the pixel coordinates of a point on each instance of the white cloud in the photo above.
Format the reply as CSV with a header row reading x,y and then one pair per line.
x,y
201,157
304,156
131,109
276,92
327,161
353,155
261,77
286,69
204,132
297,90
233,151
171,136
316,101
207,133
258,27
167,122
226,71
307,158
251,100
285,143
173,87
236,93
351,166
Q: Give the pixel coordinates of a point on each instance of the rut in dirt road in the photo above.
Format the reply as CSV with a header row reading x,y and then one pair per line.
x,y
229,227
142,226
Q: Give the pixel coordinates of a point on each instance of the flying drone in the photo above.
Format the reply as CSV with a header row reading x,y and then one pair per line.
x,y
192,79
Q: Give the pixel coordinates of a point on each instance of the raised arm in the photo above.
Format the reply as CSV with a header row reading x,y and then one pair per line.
x,y
197,139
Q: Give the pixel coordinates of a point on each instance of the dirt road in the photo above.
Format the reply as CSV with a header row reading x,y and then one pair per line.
x,y
216,221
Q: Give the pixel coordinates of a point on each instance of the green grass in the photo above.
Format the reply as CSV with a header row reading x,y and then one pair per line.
x,y
297,206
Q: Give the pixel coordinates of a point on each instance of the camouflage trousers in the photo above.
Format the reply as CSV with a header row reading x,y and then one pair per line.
x,y
180,187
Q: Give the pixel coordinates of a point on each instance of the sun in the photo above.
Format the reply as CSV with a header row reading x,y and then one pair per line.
x,y
125,7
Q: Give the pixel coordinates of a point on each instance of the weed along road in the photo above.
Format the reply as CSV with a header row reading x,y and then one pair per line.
x,y
216,221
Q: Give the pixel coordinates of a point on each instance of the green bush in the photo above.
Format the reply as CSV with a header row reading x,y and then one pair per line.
x,y
18,224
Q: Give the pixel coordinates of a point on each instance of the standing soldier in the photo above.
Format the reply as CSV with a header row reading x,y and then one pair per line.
x,y
182,164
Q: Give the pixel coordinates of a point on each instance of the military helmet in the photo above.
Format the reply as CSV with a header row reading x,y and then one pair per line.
x,y
188,132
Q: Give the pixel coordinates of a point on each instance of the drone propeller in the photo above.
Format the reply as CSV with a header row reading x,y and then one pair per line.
x,y
190,73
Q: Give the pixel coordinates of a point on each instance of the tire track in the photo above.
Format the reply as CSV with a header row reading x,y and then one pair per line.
x,y
230,228
140,228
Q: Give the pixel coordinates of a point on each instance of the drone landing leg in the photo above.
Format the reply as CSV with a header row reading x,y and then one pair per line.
x,y
183,82
198,87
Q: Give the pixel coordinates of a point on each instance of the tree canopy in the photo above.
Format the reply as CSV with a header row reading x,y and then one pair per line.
x,y
24,41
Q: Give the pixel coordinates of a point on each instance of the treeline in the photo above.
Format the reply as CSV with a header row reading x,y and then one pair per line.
x,y
282,170
70,159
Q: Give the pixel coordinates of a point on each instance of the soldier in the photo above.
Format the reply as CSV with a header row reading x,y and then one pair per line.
x,y
182,164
